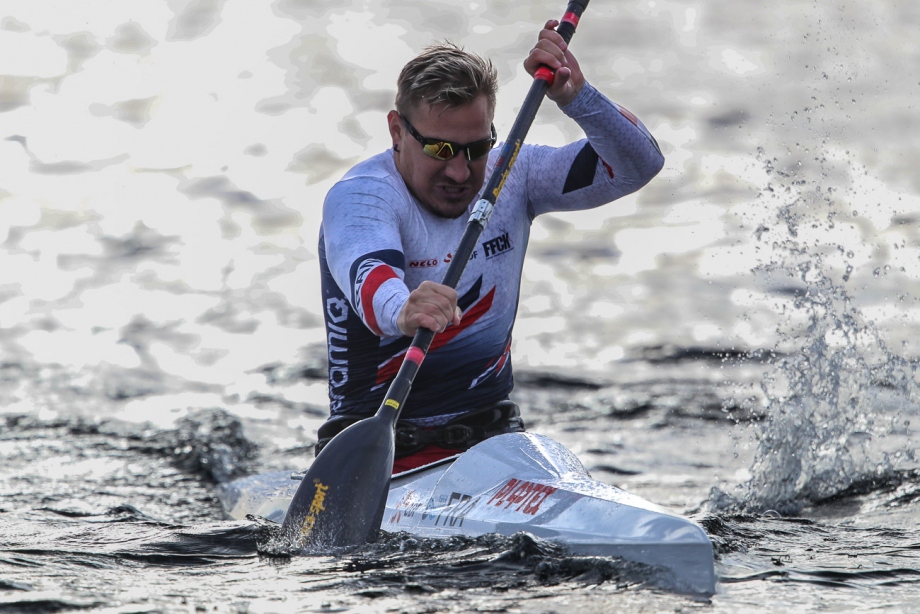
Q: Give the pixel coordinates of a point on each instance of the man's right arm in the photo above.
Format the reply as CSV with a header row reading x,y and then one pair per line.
x,y
365,256
364,252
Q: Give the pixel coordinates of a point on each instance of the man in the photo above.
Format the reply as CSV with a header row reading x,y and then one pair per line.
x,y
390,224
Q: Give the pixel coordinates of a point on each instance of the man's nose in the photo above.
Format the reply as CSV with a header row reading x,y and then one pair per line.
x,y
458,168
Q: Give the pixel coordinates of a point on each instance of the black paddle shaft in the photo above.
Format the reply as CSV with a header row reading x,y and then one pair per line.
x,y
341,500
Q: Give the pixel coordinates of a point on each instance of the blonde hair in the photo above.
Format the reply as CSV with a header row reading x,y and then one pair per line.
x,y
445,74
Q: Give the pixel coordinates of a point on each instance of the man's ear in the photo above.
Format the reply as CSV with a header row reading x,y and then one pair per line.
x,y
396,128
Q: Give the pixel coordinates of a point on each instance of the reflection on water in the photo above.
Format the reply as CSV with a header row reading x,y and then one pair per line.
x,y
162,168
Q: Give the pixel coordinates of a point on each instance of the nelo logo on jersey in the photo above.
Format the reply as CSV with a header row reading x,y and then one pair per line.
x,y
420,264
497,246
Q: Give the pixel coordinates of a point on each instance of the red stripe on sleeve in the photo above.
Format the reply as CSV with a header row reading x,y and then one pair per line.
x,y
372,283
607,166
628,115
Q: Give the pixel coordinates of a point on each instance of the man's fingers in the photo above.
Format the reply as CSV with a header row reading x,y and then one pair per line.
x,y
432,306
429,322
438,321
439,299
549,33
550,50
559,81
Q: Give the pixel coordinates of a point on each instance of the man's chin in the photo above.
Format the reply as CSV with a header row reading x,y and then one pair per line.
x,y
448,208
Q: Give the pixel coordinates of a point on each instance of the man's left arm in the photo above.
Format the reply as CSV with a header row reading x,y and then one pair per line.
x,y
619,156
620,144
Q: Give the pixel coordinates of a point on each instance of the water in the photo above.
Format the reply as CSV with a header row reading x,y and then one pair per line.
x,y
738,341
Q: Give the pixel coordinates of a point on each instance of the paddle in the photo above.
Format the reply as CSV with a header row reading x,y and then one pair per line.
x,y
341,499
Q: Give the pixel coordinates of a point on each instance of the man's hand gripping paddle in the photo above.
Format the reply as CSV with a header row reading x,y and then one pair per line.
x,y
341,499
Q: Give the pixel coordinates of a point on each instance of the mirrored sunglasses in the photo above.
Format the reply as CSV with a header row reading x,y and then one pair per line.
x,y
446,150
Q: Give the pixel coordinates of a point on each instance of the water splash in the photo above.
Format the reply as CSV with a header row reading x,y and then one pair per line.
x,y
823,428
839,400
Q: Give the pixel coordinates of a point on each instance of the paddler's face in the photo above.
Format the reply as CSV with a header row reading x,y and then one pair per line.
x,y
444,187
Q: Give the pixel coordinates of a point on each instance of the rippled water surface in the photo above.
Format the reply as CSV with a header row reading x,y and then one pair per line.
x,y
738,341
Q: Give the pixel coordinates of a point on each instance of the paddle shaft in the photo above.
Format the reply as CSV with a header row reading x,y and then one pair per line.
x,y
399,389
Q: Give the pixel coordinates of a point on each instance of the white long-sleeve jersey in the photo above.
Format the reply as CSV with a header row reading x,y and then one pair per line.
x,y
377,243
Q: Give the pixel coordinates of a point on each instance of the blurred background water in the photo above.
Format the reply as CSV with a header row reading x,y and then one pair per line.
x,y
737,341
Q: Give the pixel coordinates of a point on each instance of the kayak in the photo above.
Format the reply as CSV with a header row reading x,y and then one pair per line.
x,y
512,483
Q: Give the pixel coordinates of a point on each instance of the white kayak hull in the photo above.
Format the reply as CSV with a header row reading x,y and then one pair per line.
x,y
519,482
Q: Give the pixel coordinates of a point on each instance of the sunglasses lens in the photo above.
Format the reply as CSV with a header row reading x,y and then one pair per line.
x,y
443,150
439,150
476,151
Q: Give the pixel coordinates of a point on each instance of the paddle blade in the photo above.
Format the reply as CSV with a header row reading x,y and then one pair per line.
x,y
341,499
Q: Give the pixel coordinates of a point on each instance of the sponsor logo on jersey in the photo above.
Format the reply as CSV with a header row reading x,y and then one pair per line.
x,y
337,345
421,264
450,256
497,246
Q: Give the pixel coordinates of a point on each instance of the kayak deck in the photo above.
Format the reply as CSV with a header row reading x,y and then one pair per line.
x,y
519,482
